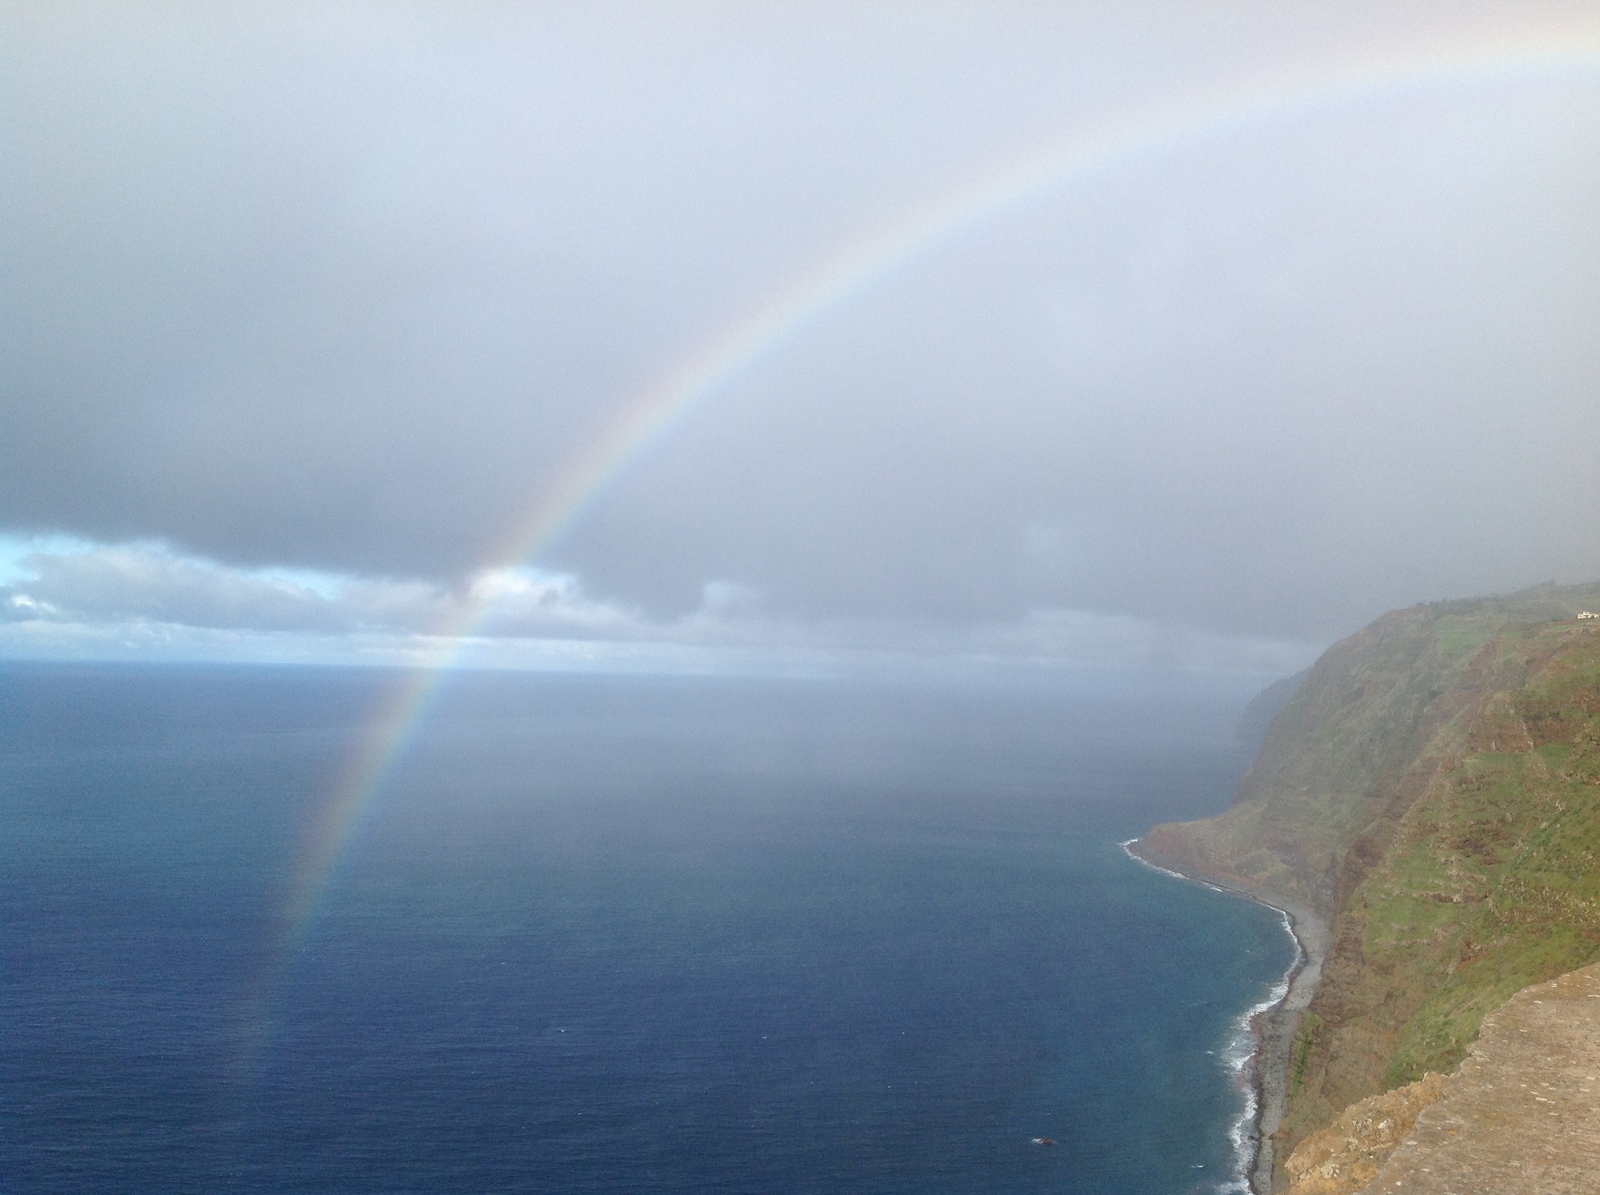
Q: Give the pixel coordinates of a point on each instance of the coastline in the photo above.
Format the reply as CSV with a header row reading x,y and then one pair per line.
x,y
1273,1024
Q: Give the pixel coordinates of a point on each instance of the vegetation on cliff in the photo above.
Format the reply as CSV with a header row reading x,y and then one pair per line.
x,y
1433,789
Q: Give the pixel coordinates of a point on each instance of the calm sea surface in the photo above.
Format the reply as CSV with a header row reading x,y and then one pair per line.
x,y
615,935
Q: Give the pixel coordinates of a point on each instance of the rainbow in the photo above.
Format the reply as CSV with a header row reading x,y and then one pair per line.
x,y
651,417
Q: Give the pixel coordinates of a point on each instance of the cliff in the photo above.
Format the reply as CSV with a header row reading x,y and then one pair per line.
x,y
1519,1115
1432,791
1344,1158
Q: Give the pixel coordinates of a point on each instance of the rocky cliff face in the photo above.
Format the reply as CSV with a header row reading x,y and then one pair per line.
x,y
1344,1157
1522,1115
1433,790
1519,1116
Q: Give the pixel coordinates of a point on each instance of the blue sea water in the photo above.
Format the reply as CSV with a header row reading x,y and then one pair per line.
x,y
603,934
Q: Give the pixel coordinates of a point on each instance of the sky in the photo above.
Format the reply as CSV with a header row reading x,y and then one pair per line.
x,y
656,335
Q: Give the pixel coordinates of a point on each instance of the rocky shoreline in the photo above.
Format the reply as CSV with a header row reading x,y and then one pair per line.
x,y
1276,1027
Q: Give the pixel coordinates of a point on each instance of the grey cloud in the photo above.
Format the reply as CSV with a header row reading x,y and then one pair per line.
x,y
99,600
1285,423
145,583
149,583
342,288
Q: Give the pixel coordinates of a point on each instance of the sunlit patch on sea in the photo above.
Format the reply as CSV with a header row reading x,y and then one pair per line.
x,y
616,935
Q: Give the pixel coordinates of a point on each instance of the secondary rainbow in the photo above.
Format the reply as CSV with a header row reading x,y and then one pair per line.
x,y
765,331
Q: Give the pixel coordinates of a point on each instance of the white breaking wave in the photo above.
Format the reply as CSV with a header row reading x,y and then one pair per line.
x,y
1242,1054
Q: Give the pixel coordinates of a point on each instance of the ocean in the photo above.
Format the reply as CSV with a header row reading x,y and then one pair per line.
x,y
618,934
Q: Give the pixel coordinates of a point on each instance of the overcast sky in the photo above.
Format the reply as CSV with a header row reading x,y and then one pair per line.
x,y
305,308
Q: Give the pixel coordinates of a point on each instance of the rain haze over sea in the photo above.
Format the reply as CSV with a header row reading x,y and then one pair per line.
x,y
616,934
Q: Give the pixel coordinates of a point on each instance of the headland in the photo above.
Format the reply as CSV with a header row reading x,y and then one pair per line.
x,y
1423,811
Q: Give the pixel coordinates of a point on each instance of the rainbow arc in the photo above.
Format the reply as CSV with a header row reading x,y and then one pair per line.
x,y
764,332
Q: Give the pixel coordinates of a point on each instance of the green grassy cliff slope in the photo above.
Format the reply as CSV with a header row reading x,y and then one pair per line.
x,y
1433,789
